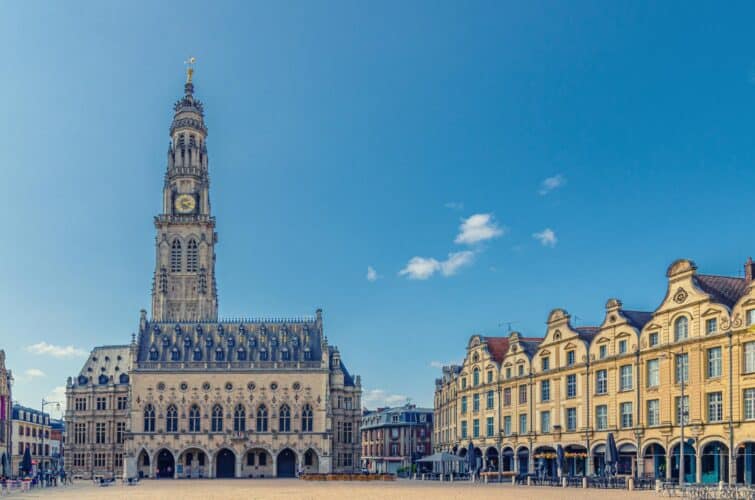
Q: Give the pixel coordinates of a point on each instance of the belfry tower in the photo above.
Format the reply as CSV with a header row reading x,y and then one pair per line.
x,y
183,287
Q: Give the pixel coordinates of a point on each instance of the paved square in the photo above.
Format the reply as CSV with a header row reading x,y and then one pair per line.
x,y
292,488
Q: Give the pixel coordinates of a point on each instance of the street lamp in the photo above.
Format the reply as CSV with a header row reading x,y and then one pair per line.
x,y
57,407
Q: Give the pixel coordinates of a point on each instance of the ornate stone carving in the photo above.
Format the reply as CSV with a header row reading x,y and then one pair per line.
x,y
680,296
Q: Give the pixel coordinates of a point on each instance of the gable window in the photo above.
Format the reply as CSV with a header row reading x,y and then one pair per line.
x,y
570,358
463,382
622,346
750,316
490,376
508,372
171,419
653,339
546,363
194,419
681,328
476,377
602,351
711,326
217,419
521,370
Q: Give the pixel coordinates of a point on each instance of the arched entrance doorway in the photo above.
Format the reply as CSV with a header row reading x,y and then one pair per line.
x,y
714,463
545,461
655,460
599,459
491,459
142,464
523,459
746,463
627,459
286,463
311,462
575,457
225,464
166,464
507,459
191,464
689,463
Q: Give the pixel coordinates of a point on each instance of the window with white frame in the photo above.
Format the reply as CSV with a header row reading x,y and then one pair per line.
x,y
681,328
711,326
545,421
602,351
625,382
570,358
750,314
622,346
571,419
507,425
545,390
749,350
682,368
749,404
601,382
714,362
682,409
601,417
653,368
626,414
715,407
523,420
654,412
571,386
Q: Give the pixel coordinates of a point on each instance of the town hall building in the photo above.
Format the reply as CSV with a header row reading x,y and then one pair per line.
x,y
193,395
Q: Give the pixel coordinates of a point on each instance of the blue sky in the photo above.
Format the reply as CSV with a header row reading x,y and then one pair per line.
x,y
432,138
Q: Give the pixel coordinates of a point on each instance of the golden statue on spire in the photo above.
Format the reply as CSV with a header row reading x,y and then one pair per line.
x,y
190,68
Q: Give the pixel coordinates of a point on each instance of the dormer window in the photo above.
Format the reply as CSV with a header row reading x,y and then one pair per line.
x,y
602,351
197,354
241,354
653,339
219,354
570,358
622,346
175,355
750,316
681,328
711,326
153,354
546,363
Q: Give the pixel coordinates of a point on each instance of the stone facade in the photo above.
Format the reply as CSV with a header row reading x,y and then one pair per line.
x,y
207,397
30,430
395,437
517,399
6,405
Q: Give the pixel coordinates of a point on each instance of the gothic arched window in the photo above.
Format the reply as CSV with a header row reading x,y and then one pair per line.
x,y
175,355
219,354
175,256
217,418
124,378
681,328
241,354
306,419
194,419
262,419
197,354
103,379
149,418
153,354
171,419
239,419
284,419
192,257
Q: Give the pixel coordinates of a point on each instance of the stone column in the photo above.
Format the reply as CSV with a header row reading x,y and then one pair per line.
x,y
669,456
698,465
210,466
239,458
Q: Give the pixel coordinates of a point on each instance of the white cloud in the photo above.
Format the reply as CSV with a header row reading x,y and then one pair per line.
x,y
372,275
477,228
32,373
454,205
456,261
546,237
58,394
43,348
422,268
551,183
377,398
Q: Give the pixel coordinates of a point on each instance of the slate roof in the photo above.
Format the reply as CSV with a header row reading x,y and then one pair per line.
x,y
637,319
725,290
587,333
497,347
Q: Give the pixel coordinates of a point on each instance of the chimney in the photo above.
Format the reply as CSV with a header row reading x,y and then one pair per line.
x,y
749,267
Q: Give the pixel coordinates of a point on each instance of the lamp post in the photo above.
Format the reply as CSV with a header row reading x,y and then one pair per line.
x,y
57,406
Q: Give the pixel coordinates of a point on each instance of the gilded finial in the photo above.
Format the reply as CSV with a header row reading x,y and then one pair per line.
x,y
190,68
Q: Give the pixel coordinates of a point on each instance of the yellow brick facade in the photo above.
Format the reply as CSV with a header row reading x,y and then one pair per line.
x,y
575,385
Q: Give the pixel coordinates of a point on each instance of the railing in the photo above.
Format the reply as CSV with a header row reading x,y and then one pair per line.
x,y
230,365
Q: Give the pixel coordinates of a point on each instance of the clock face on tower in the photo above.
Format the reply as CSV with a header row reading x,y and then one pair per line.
x,y
185,203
